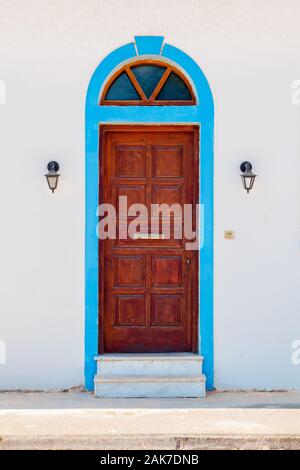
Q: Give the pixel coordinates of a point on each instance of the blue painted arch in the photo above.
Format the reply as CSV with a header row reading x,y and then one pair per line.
x,y
203,115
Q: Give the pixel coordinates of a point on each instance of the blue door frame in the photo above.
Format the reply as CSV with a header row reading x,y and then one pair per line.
x,y
201,114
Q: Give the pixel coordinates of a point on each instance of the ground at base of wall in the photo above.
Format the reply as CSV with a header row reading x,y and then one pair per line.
x,y
77,420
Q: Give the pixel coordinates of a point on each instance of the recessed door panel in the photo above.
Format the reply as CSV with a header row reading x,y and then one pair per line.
x,y
167,161
167,271
166,310
130,271
130,161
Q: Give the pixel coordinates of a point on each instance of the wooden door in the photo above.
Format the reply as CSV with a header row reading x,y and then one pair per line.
x,y
148,286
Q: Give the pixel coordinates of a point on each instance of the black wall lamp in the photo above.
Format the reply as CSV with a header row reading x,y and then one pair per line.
x,y
52,175
247,176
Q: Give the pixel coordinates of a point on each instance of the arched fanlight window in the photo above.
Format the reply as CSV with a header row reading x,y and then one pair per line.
x,y
148,83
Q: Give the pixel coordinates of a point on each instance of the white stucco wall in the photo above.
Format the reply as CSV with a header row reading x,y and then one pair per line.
x,y
250,53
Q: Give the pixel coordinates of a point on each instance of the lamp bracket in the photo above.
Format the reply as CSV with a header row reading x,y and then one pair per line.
x,y
245,166
53,166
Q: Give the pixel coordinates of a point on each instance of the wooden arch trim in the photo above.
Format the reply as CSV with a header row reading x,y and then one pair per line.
x,y
144,101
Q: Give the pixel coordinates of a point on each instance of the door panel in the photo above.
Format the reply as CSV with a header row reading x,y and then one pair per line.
x,y
166,161
130,271
167,271
147,294
130,161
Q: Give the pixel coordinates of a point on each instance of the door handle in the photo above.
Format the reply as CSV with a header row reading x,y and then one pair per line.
x,y
188,261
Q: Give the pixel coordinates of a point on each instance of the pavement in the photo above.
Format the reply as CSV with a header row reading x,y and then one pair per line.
x,y
77,420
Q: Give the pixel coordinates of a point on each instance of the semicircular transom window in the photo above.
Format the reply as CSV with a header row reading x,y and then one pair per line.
x,y
148,83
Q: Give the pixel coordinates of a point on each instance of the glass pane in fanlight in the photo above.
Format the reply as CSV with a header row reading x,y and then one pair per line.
x,y
122,90
148,77
174,90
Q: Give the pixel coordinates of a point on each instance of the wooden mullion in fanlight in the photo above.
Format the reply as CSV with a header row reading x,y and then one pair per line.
x,y
159,86
136,85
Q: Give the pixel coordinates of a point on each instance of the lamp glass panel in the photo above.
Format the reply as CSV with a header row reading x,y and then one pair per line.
x,y
248,181
52,181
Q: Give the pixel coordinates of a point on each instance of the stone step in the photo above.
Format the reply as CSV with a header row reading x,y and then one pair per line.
x,y
171,364
141,386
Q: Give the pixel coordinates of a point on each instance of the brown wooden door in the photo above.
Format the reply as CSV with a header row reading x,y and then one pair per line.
x,y
148,287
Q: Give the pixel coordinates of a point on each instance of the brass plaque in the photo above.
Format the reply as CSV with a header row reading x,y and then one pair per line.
x,y
229,235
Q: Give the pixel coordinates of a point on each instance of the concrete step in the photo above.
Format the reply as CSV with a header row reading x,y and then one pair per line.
x,y
141,386
177,364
